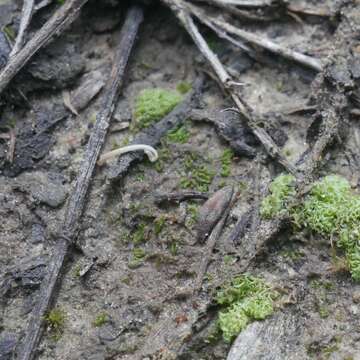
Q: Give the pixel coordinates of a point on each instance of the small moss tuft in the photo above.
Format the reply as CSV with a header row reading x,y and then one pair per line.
x,y
55,319
139,235
153,104
138,255
100,320
333,210
226,159
281,189
159,224
198,175
247,298
179,135
183,87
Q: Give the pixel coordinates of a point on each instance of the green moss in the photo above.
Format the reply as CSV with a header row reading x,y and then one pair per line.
x,y
153,104
332,209
246,299
183,87
281,189
226,159
179,135
193,214
100,320
55,319
138,255
198,175
138,236
9,32
77,270
159,224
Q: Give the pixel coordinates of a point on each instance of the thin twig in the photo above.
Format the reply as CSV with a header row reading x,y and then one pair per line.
x,y
54,26
77,201
247,112
26,15
242,3
240,13
246,36
177,197
11,151
42,4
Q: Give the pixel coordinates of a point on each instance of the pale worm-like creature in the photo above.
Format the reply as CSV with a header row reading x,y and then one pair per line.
x,y
151,153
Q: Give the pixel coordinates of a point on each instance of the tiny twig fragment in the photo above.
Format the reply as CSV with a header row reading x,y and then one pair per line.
x,y
26,15
177,197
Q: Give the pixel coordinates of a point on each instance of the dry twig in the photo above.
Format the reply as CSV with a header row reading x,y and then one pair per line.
x,y
26,15
77,201
246,36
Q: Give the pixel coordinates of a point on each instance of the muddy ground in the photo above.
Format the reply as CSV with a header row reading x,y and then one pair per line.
x,y
146,318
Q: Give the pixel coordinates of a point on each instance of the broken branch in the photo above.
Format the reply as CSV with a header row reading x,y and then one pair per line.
x,y
77,201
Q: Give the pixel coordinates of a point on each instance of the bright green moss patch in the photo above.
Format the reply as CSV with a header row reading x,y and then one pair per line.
x,y
281,189
226,159
246,299
179,135
153,104
330,209
333,209
100,320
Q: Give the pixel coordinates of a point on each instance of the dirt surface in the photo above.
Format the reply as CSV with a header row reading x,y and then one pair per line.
x,y
149,311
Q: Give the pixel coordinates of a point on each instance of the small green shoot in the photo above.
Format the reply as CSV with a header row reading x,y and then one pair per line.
x,y
100,320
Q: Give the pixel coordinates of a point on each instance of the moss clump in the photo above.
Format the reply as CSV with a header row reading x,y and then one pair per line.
x,y
333,210
179,135
55,319
330,209
153,104
198,176
159,224
183,87
246,299
100,320
138,255
281,189
139,235
226,159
